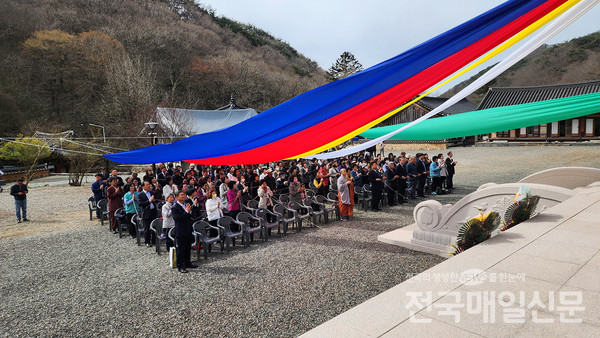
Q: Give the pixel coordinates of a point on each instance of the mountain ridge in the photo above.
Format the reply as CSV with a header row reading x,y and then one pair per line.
x,y
573,61
69,63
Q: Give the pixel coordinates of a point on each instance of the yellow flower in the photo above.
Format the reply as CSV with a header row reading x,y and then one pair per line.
x,y
483,217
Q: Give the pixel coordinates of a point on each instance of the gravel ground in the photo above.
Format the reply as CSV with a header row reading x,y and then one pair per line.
x,y
64,275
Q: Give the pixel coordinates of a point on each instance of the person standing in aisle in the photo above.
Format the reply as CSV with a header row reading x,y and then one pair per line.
x,y
19,192
183,232
376,186
450,164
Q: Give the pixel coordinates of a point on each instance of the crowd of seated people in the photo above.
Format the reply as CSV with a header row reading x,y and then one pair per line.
x,y
214,191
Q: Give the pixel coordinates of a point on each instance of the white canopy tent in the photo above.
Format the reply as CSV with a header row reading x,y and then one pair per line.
x,y
186,122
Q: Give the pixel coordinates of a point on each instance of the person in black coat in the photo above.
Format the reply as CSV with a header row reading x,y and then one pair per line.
x,y
19,192
376,186
402,176
413,177
115,176
178,179
450,163
146,200
104,175
184,228
162,176
422,170
391,184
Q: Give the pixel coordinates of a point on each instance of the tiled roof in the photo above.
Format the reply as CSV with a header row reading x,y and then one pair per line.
x,y
508,96
461,106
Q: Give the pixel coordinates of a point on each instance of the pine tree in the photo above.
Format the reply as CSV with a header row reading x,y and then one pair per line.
x,y
344,66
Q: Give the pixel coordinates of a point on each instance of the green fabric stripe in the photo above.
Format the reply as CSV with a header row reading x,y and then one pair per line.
x,y
494,119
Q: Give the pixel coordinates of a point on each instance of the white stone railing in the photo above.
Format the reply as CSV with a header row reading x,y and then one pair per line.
x,y
438,225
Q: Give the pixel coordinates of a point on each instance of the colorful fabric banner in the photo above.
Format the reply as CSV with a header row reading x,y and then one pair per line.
x,y
547,33
494,119
330,112
509,43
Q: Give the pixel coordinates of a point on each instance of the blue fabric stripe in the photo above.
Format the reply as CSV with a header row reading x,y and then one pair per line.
x,y
320,104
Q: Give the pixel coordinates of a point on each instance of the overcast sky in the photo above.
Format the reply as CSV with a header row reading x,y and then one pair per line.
x,y
372,30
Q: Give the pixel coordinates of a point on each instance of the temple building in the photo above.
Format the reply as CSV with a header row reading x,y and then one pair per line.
x,y
584,128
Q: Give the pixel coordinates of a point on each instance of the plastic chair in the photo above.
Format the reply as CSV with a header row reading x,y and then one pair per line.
x,y
284,199
333,196
159,206
287,216
267,225
137,222
252,224
315,213
156,227
121,221
302,213
251,207
330,206
231,233
103,205
202,234
92,205
171,235
364,197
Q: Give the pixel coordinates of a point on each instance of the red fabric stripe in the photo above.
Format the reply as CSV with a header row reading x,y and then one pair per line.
x,y
360,115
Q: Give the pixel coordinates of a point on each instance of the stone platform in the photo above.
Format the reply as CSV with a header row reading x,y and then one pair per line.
x,y
540,278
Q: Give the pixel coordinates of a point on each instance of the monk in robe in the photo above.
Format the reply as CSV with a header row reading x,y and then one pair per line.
x,y
345,195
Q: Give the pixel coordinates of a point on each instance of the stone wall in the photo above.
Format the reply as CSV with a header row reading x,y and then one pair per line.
x,y
13,176
397,147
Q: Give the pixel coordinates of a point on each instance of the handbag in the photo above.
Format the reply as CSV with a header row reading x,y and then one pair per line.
x,y
172,257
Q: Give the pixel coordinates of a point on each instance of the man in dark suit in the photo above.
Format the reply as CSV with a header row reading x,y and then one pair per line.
x,y
413,177
391,183
450,164
402,176
161,178
148,206
376,186
422,170
103,174
184,222
177,178
312,169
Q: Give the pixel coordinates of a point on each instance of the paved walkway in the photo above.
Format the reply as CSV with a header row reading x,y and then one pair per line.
x,y
541,278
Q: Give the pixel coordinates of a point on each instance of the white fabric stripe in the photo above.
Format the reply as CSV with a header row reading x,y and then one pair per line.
x,y
547,33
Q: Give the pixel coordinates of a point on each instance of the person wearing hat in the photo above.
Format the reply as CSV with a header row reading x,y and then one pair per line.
x,y
104,174
98,190
270,179
19,192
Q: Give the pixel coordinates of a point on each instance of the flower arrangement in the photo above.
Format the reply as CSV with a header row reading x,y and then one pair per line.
x,y
476,230
521,209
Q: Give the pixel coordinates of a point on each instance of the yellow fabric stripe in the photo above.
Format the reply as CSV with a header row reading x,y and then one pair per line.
x,y
507,44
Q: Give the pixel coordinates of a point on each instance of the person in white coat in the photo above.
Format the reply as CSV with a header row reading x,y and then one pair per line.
x,y
214,207
223,193
170,188
168,221
265,194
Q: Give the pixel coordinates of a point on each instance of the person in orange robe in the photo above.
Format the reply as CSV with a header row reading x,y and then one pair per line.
x,y
345,195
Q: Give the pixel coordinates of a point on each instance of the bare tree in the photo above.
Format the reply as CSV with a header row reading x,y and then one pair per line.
x,y
132,92
175,122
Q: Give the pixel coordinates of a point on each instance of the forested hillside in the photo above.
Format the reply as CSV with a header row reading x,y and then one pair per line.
x,y
67,63
577,60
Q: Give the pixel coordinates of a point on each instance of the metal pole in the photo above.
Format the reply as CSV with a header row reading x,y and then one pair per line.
x,y
153,164
103,133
